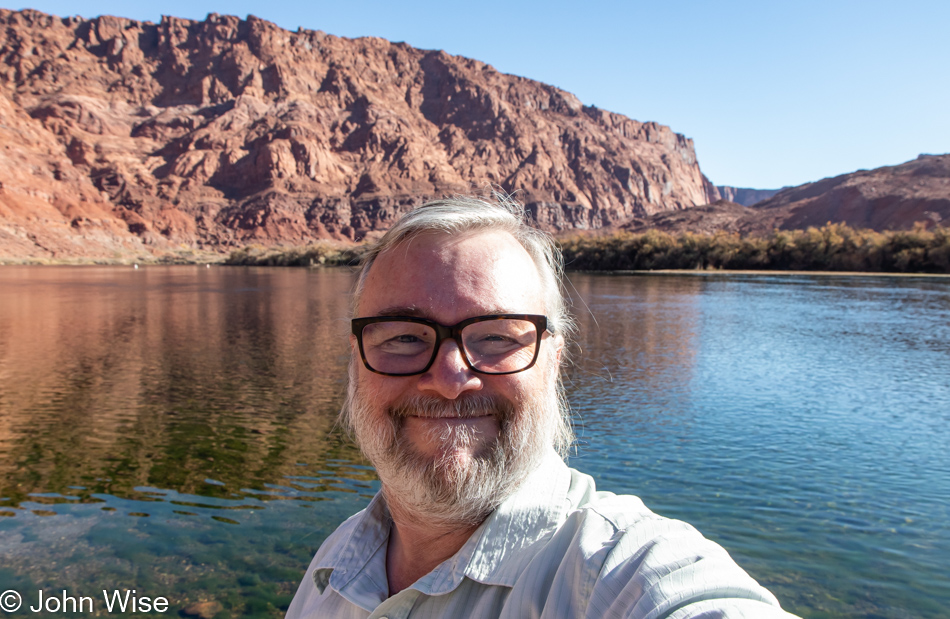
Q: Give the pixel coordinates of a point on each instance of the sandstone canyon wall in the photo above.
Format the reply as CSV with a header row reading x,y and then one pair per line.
x,y
121,136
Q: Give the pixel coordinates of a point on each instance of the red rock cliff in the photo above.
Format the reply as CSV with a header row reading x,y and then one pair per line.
x,y
120,135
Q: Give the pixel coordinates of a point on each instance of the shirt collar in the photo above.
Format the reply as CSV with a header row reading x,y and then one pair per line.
x,y
495,554
358,552
530,515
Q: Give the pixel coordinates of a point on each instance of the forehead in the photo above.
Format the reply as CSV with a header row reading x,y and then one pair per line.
x,y
452,277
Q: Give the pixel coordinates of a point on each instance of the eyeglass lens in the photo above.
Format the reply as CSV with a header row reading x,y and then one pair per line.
x,y
492,346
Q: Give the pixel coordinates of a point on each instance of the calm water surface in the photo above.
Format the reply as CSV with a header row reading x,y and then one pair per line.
x,y
171,429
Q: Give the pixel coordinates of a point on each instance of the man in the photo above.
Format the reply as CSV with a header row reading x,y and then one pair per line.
x,y
454,396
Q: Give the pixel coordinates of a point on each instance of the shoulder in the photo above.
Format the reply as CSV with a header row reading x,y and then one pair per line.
x,y
610,516
612,556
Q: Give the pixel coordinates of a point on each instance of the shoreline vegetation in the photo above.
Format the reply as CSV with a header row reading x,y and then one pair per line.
x,y
834,248
830,248
319,254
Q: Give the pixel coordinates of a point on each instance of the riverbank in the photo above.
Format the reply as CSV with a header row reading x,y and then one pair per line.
x,y
833,248
316,255
186,256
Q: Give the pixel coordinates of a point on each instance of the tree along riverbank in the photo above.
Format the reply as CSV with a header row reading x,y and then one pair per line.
x,y
833,247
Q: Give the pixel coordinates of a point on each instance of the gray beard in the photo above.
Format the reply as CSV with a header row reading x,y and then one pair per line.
x,y
448,489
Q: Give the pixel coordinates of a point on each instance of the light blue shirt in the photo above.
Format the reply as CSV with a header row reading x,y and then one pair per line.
x,y
556,548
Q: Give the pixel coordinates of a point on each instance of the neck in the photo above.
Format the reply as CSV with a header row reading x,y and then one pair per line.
x,y
417,546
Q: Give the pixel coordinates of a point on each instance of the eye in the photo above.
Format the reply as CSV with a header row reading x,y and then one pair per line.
x,y
402,343
499,338
406,338
491,344
398,338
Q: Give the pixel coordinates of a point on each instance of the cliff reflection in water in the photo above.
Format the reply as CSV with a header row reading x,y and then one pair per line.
x,y
113,379
638,334
167,377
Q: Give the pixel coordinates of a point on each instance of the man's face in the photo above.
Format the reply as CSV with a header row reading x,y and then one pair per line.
x,y
451,435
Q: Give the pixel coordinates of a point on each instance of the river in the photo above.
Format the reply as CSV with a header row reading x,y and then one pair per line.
x,y
172,429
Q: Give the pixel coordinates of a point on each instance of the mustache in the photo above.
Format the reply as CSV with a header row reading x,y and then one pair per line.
x,y
461,408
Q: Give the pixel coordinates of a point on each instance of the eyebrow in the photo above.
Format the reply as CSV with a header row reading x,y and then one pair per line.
x,y
402,311
415,312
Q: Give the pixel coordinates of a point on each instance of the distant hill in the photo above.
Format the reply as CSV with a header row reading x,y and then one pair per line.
x,y
123,137
887,198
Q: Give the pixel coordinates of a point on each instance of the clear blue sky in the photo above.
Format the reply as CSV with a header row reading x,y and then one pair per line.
x,y
772,93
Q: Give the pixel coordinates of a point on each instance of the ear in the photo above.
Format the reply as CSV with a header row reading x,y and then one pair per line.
x,y
559,348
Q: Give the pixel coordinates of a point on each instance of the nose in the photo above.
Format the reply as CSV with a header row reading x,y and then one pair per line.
x,y
449,375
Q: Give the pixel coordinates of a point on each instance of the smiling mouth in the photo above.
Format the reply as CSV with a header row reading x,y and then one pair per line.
x,y
450,417
481,407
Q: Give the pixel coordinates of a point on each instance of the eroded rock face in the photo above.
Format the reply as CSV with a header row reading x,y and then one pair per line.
x,y
123,136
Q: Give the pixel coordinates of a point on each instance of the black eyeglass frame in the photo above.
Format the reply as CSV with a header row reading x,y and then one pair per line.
x,y
453,332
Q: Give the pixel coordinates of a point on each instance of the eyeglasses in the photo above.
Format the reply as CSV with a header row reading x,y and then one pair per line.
x,y
406,345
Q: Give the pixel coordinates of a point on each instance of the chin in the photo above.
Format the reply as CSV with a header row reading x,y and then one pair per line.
x,y
450,473
455,486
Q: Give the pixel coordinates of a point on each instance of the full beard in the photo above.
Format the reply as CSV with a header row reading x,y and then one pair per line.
x,y
461,484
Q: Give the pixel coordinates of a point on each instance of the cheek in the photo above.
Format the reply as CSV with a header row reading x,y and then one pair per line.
x,y
380,392
518,388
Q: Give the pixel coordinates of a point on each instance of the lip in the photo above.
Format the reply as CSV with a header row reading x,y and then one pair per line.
x,y
450,417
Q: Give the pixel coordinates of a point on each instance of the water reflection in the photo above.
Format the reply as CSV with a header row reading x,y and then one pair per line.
x,y
635,356
166,377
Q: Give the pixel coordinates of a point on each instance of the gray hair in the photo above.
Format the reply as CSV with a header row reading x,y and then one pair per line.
x,y
461,214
